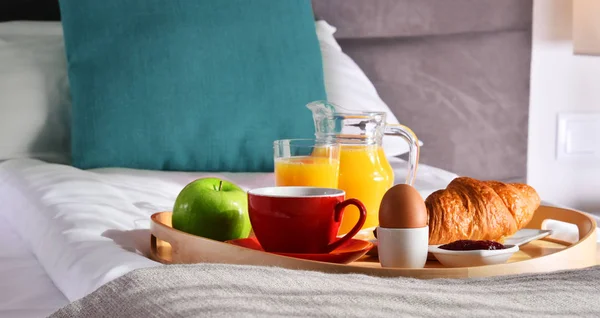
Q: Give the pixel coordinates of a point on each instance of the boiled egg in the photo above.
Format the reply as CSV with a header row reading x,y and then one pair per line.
x,y
402,207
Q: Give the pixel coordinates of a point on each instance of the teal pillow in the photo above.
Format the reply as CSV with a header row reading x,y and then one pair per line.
x,y
193,85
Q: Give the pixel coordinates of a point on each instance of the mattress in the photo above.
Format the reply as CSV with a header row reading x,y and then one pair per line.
x,y
71,231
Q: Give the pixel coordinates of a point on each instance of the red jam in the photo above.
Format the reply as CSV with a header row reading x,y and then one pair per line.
x,y
470,245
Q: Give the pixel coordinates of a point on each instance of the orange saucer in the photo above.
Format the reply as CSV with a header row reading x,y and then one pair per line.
x,y
347,253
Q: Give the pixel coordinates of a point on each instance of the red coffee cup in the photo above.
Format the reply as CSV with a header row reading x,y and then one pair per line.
x,y
300,219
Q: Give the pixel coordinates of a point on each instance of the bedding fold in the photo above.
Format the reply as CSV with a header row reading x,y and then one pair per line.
x,y
62,214
209,290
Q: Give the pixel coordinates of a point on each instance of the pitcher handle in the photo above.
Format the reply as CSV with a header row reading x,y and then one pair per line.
x,y
413,148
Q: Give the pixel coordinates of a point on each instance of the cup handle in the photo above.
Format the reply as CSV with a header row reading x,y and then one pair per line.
x,y
339,211
413,148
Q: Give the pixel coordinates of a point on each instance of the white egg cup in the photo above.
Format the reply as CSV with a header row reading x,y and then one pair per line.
x,y
405,248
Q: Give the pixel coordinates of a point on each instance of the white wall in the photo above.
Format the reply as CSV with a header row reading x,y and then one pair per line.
x,y
560,82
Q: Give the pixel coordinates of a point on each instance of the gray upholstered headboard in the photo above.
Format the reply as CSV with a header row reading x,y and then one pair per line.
x,y
455,71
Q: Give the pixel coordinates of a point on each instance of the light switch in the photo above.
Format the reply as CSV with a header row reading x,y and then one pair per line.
x,y
578,137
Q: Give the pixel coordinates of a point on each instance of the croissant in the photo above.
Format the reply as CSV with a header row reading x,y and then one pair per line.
x,y
469,209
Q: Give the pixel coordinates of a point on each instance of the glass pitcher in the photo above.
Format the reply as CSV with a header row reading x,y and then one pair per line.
x,y
365,173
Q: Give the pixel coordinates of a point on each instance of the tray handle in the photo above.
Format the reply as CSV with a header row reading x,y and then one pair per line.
x,y
584,224
153,245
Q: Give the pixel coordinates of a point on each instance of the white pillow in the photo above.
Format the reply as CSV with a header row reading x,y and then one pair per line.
x,y
35,102
34,95
348,86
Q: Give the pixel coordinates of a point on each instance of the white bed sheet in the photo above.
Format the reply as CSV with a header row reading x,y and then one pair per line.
x,y
82,227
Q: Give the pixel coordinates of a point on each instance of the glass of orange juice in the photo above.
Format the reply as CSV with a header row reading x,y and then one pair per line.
x,y
306,162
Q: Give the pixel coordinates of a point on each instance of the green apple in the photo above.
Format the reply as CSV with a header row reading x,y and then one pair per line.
x,y
212,208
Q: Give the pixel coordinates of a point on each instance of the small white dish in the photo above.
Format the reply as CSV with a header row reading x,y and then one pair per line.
x,y
450,258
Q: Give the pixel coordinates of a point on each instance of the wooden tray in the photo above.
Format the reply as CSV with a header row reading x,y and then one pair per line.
x,y
170,246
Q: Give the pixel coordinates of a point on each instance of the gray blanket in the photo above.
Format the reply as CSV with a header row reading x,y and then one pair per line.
x,y
239,291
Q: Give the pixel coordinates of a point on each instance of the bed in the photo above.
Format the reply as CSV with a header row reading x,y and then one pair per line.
x,y
60,250
81,251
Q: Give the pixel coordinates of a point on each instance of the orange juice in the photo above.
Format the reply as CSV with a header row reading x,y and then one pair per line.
x,y
365,174
311,171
